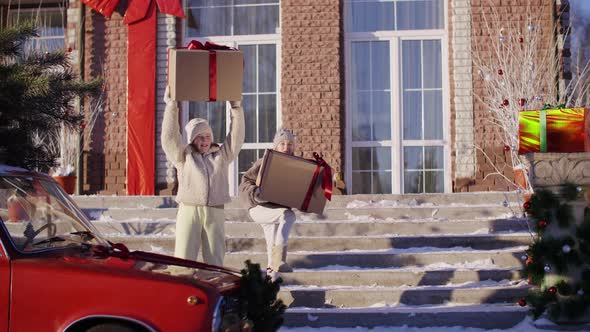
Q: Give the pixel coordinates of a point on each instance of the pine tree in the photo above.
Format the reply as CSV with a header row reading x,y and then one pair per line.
x,y
258,299
37,92
557,261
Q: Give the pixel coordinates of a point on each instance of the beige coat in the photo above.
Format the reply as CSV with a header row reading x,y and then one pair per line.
x,y
202,178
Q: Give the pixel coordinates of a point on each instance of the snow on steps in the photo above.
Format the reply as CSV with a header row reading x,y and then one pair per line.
x,y
370,260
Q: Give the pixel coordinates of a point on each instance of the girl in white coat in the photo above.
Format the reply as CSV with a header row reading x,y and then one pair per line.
x,y
276,220
203,189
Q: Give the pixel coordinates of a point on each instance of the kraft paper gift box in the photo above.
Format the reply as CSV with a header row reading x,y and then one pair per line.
x,y
207,72
295,182
554,130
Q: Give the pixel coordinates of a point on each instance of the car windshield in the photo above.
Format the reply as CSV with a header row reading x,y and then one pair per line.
x,y
39,215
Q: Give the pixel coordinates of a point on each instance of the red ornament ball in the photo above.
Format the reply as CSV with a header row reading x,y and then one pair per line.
x,y
500,72
521,101
82,126
552,290
520,40
505,102
506,148
526,205
543,223
522,302
69,50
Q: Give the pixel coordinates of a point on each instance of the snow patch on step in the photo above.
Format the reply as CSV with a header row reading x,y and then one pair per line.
x,y
358,204
484,264
408,251
449,286
426,308
407,218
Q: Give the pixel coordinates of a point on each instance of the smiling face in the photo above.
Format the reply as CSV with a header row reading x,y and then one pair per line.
x,y
202,142
286,146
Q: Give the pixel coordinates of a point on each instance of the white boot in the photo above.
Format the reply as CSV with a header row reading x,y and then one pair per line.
x,y
279,259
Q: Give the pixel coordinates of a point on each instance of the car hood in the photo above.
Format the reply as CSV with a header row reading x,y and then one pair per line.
x,y
224,279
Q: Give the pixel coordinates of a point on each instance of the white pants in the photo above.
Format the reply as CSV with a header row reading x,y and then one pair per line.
x,y
200,225
276,224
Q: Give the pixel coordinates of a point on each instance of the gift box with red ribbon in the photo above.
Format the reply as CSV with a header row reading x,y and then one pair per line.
x,y
295,182
554,130
208,72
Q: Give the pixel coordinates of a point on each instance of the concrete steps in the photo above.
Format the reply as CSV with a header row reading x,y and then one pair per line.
x,y
393,213
395,277
355,297
496,316
329,227
345,243
369,260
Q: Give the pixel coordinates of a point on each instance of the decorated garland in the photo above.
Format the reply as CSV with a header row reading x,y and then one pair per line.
x,y
258,301
558,261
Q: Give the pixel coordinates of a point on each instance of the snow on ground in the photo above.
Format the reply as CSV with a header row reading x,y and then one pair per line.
x,y
527,325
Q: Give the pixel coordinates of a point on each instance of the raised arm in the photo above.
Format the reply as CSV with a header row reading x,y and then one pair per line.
x,y
235,138
171,137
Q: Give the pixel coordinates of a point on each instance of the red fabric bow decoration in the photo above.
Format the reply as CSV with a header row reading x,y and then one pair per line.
x,y
326,181
197,45
136,9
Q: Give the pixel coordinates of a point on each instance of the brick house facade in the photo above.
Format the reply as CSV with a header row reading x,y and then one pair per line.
x,y
314,46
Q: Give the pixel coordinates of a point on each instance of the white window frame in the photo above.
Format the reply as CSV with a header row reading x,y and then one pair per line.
x,y
397,143
60,9
236,41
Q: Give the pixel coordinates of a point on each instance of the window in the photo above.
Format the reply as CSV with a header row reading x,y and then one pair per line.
x,y
252,26
232,17
389,15
396,136
50,23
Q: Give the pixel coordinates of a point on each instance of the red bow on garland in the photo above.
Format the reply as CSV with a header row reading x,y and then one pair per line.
x,y
137,9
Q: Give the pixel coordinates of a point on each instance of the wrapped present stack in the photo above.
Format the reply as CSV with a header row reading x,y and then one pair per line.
x,y
554,130
208,72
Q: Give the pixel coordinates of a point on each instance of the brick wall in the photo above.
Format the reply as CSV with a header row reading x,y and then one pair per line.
x,y
105,152
487,136
312,77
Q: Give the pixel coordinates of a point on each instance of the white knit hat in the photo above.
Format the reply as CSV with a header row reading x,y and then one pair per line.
x,y
196,127
283,135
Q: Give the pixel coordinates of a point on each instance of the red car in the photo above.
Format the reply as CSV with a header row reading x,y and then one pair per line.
x,y
58,274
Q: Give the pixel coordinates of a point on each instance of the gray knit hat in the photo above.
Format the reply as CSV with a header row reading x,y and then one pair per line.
x,y
283,135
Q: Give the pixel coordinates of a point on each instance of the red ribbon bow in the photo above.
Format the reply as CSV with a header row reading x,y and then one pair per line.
x,y
326,181
136,9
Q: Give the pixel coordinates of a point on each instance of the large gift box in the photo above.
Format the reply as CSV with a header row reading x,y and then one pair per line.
x,y
295,182
207,72
554,130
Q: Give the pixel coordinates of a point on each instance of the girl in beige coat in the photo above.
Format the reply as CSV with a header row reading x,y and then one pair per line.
x,y
203,188
276,220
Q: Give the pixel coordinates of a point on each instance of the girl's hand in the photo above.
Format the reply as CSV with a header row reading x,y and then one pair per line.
x,y
167,98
